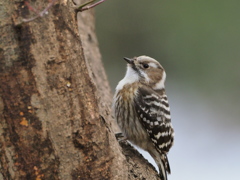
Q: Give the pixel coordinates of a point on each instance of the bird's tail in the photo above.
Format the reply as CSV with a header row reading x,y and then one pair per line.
x,y
164,167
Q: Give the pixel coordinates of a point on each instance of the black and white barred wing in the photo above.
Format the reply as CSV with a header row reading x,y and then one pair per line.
x,y
154,113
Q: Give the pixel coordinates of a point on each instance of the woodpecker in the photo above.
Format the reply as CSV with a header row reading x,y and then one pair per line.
x,y
142,111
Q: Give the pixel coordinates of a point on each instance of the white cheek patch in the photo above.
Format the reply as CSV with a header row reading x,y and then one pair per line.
x,y
146,78
130,77
160,84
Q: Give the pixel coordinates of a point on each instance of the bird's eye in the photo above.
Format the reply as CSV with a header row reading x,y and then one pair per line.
x,y
145,66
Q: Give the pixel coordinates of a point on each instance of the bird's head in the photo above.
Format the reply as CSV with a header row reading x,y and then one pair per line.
x,y
145,70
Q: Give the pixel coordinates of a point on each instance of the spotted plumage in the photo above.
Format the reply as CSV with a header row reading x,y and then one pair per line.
x,y
142,111
154,113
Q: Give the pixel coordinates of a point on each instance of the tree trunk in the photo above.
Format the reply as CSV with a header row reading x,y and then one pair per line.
x,y
55,116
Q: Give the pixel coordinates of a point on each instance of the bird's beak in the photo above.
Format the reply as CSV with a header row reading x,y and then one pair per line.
x,y
129,60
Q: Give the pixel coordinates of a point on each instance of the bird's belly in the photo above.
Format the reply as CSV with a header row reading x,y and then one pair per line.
x,y
134,131
128,121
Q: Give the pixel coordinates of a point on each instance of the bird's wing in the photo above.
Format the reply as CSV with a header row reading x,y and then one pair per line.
x,y
154,113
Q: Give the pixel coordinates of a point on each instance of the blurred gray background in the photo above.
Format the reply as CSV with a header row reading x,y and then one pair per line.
x,y
198,44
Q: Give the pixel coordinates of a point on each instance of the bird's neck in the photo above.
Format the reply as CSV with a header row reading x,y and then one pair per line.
x,y
161,92
130,78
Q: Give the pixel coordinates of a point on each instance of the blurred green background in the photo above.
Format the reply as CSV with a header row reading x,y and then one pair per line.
x,y
198,44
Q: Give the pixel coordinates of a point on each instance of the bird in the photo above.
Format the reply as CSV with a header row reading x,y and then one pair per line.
x,y
142,112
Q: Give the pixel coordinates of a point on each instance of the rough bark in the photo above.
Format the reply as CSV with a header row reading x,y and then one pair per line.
x,y
55,117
